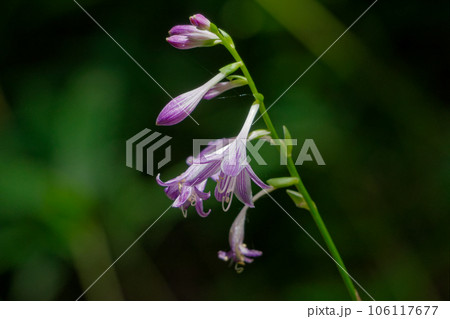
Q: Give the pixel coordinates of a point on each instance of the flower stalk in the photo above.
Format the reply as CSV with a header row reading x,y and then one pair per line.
x,y
229,45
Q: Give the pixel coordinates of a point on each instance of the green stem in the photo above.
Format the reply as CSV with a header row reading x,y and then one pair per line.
x,y
293,171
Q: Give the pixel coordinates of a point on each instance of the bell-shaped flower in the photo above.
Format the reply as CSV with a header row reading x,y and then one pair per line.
x,y
192,196
188,188
182,106
224,161
221,87
235,173
239,253
200,21
188,36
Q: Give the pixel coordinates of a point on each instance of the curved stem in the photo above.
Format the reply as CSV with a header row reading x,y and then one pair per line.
x,y
293,171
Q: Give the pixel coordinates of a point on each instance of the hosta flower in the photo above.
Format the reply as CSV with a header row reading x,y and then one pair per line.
x,y
212,146
221,87
192,196
224,161
235,173
180,107
215,145
239,253
188,188
200,21
190,36
193,36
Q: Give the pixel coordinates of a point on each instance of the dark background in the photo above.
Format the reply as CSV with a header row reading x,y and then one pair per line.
x,y
375,105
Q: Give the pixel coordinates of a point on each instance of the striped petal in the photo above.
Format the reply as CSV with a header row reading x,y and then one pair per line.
x,y
243,189
182,106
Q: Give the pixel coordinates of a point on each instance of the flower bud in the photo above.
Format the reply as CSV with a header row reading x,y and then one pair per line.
x,y
200,21
188,37
182,106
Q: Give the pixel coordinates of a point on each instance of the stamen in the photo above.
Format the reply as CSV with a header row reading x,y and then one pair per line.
x,y
226,181
223,203
192,199
229,194
239,267
184,211
239,255
228,200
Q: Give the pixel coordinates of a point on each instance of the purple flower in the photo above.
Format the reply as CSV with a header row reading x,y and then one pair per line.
x,y
212,146
200,21
235,173
180,107
239,253
189,36
221,87
224,161
188,188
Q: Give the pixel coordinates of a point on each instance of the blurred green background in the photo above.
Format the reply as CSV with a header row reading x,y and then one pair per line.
x,y
375,106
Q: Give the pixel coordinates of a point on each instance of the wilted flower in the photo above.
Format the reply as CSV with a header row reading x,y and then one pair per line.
x,y
239,253
180,107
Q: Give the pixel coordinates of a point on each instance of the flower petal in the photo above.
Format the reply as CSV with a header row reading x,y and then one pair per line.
x,y
199,208
184,195
212,148
180,107
200,187
200,21
188,37
237,230
199,191
255,178
172,192
160,182
203,195
201,172
183,29
169,182
243,189
235,158
249,252
223,255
